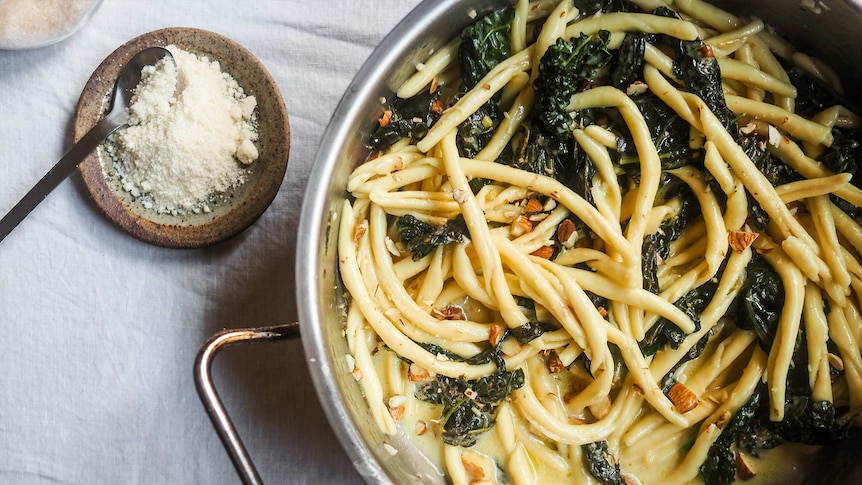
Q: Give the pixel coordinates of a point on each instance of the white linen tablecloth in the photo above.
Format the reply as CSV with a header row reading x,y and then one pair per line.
x,y
98,331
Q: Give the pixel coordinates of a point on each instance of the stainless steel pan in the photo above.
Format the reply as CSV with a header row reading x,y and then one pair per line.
x,y
835,35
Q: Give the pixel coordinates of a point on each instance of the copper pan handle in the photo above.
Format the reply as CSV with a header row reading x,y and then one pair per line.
x,y
210,398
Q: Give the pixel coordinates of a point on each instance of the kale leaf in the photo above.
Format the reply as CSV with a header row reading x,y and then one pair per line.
x,y
629,61
564,70
476,131
484,45
656,246
592,7
410,118
670,133
719,468
602,463
759,302
530,331
469,406
421,238
699,70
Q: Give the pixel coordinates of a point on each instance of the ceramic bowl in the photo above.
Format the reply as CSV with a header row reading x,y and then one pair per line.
x,y
233,211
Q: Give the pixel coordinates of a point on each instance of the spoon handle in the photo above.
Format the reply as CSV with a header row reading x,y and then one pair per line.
x,y
59,172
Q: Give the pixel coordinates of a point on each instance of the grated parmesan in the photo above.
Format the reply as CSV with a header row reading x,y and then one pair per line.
x,y
188,141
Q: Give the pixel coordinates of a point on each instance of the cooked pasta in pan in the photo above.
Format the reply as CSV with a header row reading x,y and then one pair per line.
x,y
609,242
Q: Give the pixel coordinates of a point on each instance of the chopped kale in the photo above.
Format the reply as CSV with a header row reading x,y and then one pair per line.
x,y
699,70
475,132
602,464
719,468
656,246
759,302
629,61
591,7
421,238
670,133
410,118
540,152
564,70
484,45
469,406
843,155
530,331
812,94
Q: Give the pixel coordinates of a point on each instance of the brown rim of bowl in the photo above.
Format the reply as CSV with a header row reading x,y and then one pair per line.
x,y
274,142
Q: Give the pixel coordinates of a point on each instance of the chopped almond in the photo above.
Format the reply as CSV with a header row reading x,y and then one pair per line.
x,y
567,233
434,83
415,373
360,231
682,397
740,240
533,205
835,361
764,250
495,334
555,365
421,428
396,413
384,119
544,252
722,420
744,469
451,312
438,107
602,311
630,479
520,226
476,466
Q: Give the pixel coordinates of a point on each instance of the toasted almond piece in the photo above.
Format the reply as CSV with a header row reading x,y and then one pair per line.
x,y
533,205
567,233
420,428
396,413
722,420
835,361
544,252
360,230
682,397
476,465
555,365
630,479
764,249
460,196
451,312
389,448
638,389
384,119
520,226
416,373
740,240
391,247
744,470
602,311
495,334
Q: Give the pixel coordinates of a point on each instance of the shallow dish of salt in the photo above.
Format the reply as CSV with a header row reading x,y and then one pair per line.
x,y
202,158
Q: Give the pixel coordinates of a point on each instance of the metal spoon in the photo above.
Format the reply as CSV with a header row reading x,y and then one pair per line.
x,y
121,98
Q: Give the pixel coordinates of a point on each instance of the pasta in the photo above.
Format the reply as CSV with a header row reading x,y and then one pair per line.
x,y
611,244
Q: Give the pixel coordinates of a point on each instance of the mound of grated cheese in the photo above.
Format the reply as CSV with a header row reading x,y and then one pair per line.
x,y
189,140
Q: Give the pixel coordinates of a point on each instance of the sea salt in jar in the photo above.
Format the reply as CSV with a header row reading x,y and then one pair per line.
x,y
26,24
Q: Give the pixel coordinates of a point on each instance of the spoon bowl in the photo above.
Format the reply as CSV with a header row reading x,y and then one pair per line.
x,y
233,211
121,98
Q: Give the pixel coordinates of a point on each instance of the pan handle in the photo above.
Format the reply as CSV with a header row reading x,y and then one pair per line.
x,y
210,398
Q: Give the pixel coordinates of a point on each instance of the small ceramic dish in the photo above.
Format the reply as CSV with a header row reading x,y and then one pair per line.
x,y
236,209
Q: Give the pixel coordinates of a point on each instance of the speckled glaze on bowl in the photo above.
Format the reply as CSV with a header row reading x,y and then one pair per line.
x,y
246,203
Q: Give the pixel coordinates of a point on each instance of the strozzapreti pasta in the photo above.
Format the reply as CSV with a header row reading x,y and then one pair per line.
x,y
609,242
